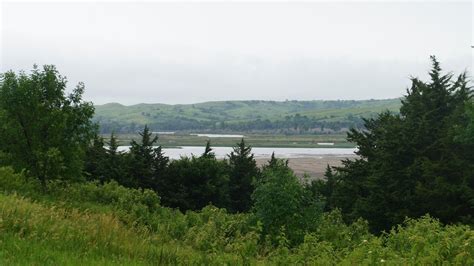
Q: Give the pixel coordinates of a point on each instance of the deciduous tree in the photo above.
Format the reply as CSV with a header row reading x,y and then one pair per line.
x,y
43,130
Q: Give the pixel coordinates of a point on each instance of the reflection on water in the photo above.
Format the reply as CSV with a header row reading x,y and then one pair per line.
x,y
221,152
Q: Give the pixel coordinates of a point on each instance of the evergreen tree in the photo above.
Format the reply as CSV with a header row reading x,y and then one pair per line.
x,y
192,183
410,164
115,160
208,150
273,161
95,160
324,187
146,163
243,171
113,145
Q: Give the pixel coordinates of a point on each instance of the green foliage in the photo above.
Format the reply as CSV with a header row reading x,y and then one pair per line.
x,y
106,163
192,183
413,163
146,164
47,131
465,133
243,172
325,187
208,150
284,205
95,160
116,161
416,162
108,224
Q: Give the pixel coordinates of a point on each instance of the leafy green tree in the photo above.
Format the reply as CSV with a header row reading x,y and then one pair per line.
x,y
411,164
47,131
284,205
243,171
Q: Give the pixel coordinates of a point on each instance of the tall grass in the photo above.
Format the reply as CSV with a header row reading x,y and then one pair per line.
x,y
93,224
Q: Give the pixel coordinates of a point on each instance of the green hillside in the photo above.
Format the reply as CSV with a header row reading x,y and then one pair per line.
x,y
92,224
241,115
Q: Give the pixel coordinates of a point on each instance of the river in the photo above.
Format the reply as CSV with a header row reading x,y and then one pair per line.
x,y
287,153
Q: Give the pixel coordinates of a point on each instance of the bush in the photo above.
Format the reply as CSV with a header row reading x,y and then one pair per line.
x,y
424,241
284,205
132,204
191,183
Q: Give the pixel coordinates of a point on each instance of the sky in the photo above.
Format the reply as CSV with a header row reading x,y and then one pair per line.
x,y
188,52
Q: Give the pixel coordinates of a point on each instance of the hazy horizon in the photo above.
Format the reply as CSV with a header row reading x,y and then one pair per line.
x,y
182,53
249,100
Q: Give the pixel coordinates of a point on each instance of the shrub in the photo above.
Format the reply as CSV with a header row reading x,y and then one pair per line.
x,y
284,205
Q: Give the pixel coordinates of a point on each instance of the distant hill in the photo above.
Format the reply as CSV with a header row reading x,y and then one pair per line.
x,y
291,117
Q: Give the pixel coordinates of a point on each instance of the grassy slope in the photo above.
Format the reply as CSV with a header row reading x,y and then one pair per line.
x,y
240,111
88,224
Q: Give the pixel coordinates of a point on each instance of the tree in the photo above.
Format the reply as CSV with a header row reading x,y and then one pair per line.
x,y
95,166
146,163
325,187
47,131
208,150
193,182
273,160
411,164
284,205
115,160
243,171
113,145
105,163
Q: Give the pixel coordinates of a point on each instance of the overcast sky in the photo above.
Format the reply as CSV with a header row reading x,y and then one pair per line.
x,y
193,52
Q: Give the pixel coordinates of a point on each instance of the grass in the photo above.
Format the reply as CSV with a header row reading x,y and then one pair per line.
x,y
92,224
34,233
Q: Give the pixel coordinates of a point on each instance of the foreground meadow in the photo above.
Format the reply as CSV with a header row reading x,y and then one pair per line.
x,y
92,224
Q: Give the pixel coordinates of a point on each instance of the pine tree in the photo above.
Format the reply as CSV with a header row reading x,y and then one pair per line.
x,y
410,164
195,182
243,171
146,163
208,151
113,145
115,161
273,161
95,160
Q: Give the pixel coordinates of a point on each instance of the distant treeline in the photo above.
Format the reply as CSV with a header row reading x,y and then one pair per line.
x,y
294,124
291,117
